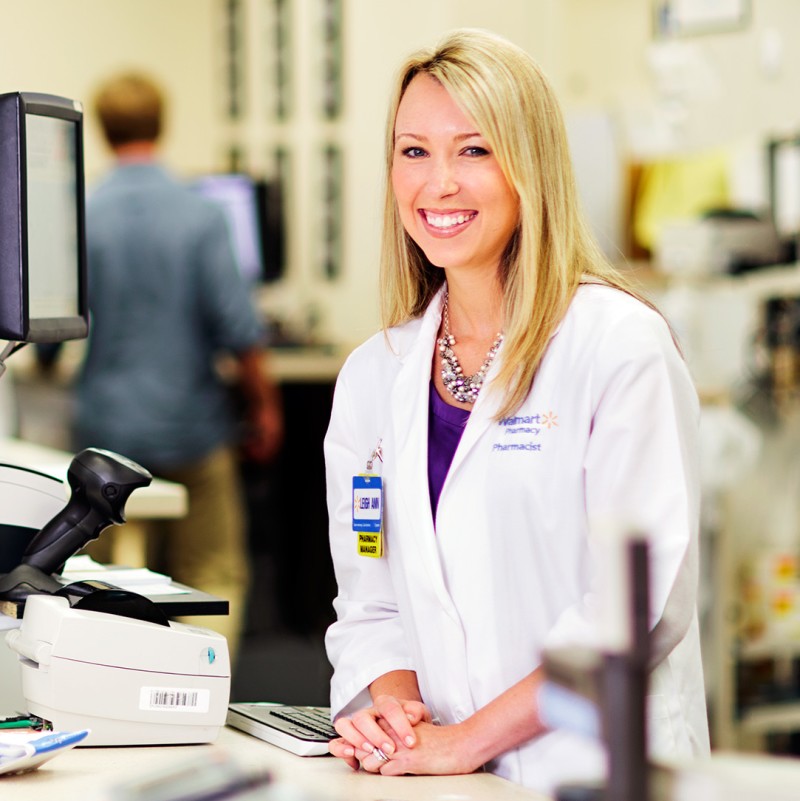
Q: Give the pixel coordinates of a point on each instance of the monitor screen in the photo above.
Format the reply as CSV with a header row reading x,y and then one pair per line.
x,y
237,195
784,184
42,234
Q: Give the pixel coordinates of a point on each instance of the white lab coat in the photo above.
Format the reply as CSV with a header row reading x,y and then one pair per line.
x,y
608,429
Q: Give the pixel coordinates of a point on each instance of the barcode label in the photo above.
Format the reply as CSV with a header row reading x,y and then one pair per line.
x,y
174,699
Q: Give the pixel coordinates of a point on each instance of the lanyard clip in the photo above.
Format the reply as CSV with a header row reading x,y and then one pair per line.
x,y
376,454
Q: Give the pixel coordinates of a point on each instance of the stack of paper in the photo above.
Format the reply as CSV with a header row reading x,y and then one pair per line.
x,y
136,579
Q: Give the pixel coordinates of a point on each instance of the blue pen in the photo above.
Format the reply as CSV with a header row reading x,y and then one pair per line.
x,y
57,739
53,741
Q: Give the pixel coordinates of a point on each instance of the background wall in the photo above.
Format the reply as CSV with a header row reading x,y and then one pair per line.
x,y
67,48
714,88
708,91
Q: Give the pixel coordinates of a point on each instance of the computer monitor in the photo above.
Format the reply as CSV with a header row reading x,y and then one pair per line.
x,y
784,185
42,228
252,208
236,195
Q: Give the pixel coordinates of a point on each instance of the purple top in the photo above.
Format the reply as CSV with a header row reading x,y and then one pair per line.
x,y
445,426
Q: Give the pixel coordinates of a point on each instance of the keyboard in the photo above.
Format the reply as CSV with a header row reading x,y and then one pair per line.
x,y
303,730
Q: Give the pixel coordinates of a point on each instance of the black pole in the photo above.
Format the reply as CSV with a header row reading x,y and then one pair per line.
x,y
624,689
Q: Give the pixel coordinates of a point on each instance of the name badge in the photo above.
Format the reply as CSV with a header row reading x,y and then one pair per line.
x,y
368,514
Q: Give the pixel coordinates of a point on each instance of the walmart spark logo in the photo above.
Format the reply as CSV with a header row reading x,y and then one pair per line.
x,y
549,420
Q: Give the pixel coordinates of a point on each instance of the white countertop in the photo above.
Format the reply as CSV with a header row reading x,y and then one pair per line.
x,y
161,499
306,365
89,774
298,364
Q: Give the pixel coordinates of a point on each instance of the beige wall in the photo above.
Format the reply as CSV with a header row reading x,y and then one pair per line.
x,y
597,53
67,46
722,87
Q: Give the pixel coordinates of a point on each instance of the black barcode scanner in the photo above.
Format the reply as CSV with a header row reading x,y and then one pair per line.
x,y
101,483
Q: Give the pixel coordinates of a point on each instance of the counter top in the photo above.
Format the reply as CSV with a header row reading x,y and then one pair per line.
x,y
307,364
301,363
161,499
91,774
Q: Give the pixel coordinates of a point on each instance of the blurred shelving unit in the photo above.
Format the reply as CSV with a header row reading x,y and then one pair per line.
x,y
728,327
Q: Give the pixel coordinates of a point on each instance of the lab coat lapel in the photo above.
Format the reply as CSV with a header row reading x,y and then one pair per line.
x,y
410,419
410,405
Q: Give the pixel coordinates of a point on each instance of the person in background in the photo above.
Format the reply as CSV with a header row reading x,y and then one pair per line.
x,y
520,396
166,299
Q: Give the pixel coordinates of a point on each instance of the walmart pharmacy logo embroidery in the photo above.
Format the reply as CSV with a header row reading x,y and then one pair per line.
x,y
529,423
524,432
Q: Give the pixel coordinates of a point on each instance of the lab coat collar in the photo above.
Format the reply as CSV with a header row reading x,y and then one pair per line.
x,y
410,409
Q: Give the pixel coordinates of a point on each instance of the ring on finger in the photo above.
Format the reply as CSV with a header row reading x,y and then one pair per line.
x,y
380,754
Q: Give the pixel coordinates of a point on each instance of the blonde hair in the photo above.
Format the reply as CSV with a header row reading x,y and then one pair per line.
x,y
130,108
506,94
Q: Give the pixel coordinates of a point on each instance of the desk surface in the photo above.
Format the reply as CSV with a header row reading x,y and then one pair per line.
x,y
306,365
89,773
160,499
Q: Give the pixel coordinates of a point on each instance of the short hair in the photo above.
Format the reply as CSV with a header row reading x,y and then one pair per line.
x,y
130,108
508,97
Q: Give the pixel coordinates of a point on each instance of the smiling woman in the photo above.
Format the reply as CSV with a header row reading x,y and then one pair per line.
x,y
452,196
520,395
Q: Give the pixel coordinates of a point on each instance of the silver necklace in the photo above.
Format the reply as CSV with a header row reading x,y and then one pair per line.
x,y
464,388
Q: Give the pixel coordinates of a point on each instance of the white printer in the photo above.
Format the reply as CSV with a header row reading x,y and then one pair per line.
x,y
91,655
714,245
130,681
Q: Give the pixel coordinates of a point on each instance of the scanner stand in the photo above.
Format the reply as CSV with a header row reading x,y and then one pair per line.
x,y
25,580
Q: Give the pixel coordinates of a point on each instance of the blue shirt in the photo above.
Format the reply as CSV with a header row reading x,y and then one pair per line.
x,y
165,297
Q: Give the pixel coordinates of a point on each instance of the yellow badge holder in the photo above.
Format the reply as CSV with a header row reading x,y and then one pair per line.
x,y
368,509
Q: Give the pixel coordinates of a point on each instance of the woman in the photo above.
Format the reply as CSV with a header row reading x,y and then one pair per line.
x,y
519,393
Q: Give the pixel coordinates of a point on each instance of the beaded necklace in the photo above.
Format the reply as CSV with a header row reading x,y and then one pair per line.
x,y
464,388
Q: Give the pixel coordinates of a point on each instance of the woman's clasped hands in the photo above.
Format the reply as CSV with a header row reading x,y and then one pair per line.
x,y
372,736
394,737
